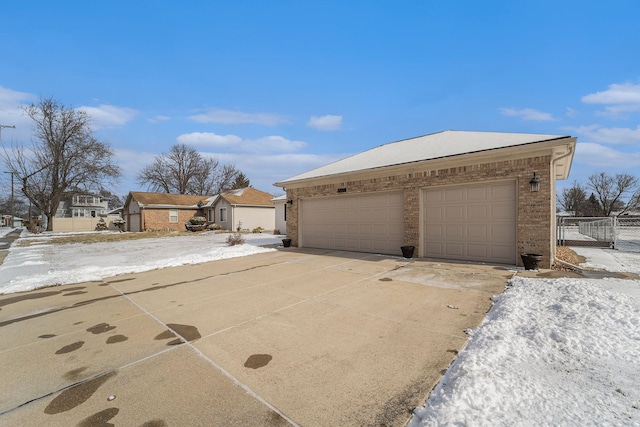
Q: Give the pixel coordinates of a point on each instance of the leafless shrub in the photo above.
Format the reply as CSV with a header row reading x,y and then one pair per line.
x,y
235,239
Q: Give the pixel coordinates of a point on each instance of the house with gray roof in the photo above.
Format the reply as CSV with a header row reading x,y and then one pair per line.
x,y
458,195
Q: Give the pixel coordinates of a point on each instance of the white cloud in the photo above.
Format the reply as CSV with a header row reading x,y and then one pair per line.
x,y
11,114
265,169
328,122
209,139
618,98
10,99
229,117
570,112
609,135
593,154
527,114
273,143
106,116
159,118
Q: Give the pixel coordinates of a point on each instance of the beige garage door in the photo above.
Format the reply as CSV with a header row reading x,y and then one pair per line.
x,y
134,222
363,223
474,222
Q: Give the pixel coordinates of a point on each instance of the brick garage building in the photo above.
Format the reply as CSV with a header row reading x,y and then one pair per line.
x,y
160,211
453,195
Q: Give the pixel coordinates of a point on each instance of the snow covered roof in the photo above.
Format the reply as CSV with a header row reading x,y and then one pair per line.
x,y
428,147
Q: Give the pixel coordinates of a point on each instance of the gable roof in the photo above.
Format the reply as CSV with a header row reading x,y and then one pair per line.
x,y
166,200
427,147
247,197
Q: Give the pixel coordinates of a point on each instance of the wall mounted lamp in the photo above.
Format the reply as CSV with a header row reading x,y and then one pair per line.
x,y
290,202
534,184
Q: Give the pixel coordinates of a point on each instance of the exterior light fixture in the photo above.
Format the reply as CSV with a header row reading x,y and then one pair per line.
x,y
290,202
534,184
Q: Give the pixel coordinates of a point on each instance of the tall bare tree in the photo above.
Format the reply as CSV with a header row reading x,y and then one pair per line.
x,y
185,171
611,191
63,155
573,199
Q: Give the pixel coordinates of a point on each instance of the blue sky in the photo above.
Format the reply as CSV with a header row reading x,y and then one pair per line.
x,y
280,87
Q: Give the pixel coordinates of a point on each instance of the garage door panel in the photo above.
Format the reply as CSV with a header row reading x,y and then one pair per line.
x,y
454,250
502,212
476,194
477,212
502,191
474,222
363,222
477,231
454,213
453,231
453,195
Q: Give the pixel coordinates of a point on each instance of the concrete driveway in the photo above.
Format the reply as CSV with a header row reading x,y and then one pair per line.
x,y
291,337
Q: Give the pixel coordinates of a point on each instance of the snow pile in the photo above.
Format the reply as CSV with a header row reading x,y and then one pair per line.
x,y
550,352
44,264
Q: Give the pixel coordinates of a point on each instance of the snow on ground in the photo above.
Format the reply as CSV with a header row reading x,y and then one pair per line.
x,y
5,230
550,352
43,264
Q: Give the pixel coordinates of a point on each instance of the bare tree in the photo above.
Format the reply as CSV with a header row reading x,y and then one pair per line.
x,y
185,171
63,155
573,199
610,191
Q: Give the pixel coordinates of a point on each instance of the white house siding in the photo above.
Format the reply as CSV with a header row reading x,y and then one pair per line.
x,y
253,217
229,223
280,212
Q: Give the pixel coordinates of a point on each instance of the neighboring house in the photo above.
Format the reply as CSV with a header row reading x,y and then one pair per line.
x,y
280,204
453,195
80,212
78,205
242,209
5,221
160,211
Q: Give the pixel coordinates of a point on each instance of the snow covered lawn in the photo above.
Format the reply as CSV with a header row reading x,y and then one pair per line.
x,y
550,352
43,264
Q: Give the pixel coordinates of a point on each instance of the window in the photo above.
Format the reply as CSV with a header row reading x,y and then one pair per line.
x,y
93,214
223,214
211,215
173,215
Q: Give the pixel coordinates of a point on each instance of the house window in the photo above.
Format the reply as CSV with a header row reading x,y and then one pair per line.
x,y
223,214
211,215
173,215
93,214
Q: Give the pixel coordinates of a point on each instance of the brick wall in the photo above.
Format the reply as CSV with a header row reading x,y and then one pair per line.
x,y
534,217
158,219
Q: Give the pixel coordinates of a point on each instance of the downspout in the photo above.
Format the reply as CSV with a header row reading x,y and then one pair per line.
x,y
554,228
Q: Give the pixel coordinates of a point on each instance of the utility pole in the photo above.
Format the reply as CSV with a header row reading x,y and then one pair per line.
x,y
5,127
13,214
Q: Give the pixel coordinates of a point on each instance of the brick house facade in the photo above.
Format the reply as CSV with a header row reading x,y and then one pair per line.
x,y
160,211
548,156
